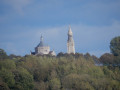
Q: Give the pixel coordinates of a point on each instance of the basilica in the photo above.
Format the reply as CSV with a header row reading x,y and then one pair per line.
x,y
42,49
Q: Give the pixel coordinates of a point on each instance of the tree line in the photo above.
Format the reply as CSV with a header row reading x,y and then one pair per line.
x,y
64,72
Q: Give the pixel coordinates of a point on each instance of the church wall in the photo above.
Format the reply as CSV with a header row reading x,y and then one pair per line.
x,y
42,50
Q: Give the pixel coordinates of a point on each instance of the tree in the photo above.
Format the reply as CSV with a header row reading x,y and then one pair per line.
x,y
3,54
3,85
87,56
107,58
14,57
115,46
55,84
60,54
7,64
8,77
23,79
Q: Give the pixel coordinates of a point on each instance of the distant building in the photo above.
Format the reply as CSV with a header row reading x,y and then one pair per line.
x,y
70,42
52,53
43,49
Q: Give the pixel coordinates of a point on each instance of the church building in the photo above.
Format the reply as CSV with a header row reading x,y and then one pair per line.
x,y
43,49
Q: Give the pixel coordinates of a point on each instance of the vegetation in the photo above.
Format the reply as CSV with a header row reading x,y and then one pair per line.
x,y
64,72
113,58
115,46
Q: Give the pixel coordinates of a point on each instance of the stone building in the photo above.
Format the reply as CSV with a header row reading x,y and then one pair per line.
x,y
43,49
70,42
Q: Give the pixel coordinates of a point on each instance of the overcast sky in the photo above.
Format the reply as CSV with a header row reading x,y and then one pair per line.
x,y
93,22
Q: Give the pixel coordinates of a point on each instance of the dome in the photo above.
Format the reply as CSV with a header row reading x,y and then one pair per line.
x,y
41,44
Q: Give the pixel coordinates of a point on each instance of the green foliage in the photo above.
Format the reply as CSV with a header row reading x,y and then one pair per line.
x,y
113,58
107,58
41,85
14,57
77,82
115,46
64,72
117,59
75,72
55,84
3,85
23,79
3,54
7,77
8,64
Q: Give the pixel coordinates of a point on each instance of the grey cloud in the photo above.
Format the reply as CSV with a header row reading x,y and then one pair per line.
x,y
17,5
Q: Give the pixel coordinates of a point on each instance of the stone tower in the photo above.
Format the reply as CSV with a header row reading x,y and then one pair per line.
x,y
70,42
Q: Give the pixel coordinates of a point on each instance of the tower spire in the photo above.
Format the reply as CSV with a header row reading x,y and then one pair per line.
x,y
41,42
41,38
70,31
70,42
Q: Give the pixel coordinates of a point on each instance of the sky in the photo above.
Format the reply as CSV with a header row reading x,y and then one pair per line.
x,y
93,22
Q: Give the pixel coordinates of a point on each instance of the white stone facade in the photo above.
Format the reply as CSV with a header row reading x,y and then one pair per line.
x,y
43,49
70,42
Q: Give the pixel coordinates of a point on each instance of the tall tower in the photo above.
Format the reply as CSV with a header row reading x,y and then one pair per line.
x,y
70,42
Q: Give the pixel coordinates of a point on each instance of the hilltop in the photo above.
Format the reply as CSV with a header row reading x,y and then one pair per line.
x,y
63,72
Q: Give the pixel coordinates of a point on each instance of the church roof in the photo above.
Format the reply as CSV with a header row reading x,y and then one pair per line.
x,y
41,44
